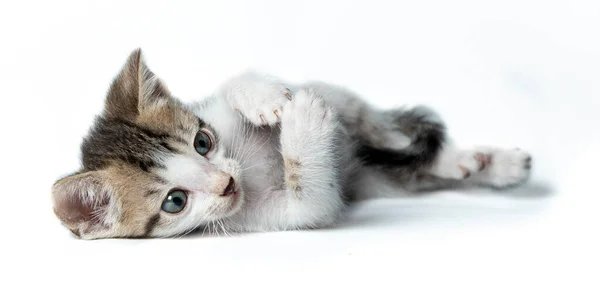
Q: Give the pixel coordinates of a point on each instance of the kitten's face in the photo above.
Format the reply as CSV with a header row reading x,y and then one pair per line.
x,y
150,167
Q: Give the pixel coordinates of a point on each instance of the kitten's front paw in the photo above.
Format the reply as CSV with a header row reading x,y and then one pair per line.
x,y
307,114
259,98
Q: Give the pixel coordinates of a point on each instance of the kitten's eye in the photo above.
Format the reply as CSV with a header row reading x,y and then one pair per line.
x,y
174,202
202,143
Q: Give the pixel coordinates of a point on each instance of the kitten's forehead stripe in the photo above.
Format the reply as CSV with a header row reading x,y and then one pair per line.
x,y
113,139
152,192
166,145
159,180
179,139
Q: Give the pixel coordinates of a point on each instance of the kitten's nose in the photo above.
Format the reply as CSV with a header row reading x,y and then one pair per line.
x,y
230,189
222,184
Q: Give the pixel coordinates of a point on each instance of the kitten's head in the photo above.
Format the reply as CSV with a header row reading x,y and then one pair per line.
x,y
150,167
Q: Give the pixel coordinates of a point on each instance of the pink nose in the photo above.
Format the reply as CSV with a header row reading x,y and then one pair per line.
x,y
230,189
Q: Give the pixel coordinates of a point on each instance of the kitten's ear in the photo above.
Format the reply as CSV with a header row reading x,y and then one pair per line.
x,y
134,88
84,204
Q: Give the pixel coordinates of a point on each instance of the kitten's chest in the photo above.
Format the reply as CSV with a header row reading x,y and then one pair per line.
x,y
258,152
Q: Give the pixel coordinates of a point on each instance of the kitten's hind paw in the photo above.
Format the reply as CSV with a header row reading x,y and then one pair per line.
x,y
456,164
507,168
498,168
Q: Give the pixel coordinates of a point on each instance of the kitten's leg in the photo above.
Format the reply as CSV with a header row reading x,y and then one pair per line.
x,y
258,97
405,137
311,158
242,102
452,169
485,166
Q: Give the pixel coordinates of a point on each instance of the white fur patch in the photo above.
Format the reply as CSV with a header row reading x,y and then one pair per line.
x,y
185,171
505,167
307,139
449,161
258,97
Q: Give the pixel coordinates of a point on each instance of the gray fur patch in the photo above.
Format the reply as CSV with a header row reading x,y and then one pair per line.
x,y
113,139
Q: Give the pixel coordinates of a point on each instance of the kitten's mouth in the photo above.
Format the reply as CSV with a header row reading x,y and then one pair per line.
x,y
231,189
234,197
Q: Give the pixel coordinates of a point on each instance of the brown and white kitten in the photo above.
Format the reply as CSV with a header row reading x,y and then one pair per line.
x,y
258,155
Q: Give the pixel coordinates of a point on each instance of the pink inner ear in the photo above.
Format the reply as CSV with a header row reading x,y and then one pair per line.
x,y
74,210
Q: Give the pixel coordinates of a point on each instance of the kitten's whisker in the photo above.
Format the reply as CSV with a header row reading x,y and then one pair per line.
x,y
266,140
253,166
242,145
231,221
234,140
246,148
261,146
209,228
225,229
214,228
216,233
235,148
218,222
229,149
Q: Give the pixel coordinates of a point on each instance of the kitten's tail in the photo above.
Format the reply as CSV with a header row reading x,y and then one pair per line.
x,y
422,126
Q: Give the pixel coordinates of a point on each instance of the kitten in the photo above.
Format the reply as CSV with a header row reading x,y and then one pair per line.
x,y
258,155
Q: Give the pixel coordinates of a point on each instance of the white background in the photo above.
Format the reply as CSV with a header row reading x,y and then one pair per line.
x,y
515,73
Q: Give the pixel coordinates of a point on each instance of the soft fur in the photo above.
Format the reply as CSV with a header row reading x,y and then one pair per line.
x,y
295,154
